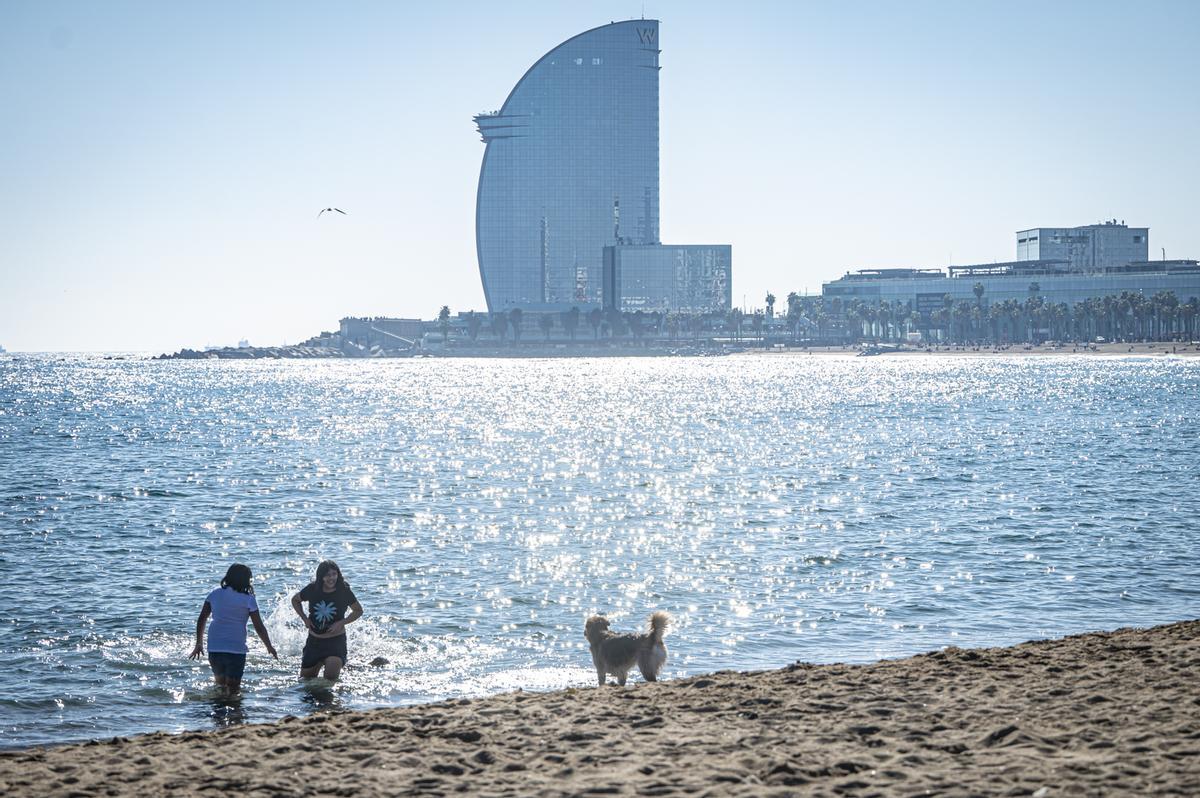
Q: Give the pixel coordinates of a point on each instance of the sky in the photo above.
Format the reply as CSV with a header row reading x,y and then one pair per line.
x,y
162,165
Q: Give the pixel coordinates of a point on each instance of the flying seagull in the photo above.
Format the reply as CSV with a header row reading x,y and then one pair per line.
x,y
339,210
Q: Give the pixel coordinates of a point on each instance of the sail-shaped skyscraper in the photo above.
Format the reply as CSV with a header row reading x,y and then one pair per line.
x,y
571,165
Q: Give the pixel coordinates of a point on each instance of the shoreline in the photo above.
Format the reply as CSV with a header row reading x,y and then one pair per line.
x,y
655,349
1187,350
692,349
1104,713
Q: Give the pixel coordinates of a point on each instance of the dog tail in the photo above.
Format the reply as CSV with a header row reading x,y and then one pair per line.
x,y
658,626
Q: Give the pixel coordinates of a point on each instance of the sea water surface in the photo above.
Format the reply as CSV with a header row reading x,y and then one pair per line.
x,y
780,508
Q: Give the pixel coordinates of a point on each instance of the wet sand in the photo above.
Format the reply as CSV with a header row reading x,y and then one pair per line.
x,y
1099,714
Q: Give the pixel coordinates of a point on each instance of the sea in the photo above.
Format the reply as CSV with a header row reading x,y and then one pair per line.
x,y
781,508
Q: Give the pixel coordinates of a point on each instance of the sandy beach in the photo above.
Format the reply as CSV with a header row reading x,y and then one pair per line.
x,y
1185,349
1114,713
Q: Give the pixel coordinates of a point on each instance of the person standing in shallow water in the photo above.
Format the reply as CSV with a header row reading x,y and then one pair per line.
x,y
328,599
230,605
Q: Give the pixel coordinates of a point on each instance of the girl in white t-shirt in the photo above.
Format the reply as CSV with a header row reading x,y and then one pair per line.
x,y
230,605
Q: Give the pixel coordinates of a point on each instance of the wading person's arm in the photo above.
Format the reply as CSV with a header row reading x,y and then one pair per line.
x,y
256,619
298,606
205,611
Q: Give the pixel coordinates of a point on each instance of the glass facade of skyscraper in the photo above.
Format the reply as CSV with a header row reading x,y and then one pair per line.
x,y
571,166
687,278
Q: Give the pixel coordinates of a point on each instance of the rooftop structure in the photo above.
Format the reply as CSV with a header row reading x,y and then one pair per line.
x,y
1091,248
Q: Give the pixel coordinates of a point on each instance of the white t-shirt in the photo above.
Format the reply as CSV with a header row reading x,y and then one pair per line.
x,y
230,610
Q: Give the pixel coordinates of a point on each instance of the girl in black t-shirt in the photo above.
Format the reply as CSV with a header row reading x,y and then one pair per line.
x,y
328,599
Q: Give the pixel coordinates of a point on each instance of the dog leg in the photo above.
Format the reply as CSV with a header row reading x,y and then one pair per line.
x,y
650,662
600,675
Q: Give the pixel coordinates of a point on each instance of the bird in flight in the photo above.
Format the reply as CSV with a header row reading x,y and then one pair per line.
x,y
339,210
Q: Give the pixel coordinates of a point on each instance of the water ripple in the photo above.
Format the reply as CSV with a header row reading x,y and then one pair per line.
x,y
781,508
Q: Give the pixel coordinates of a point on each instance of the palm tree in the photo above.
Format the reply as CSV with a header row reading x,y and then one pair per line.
x,y
1190,310
595,317
546,324
1084,319
794,313
1123,315
673,325
1112,308
770,305
883,314
977,290
1141,316
914,323
995,314
1059,314
1165,305
444,321
514,318
854,321
869,314
734,319
473,325
616,326
1033,307
960,314
636,323
500,326
570,321
940,319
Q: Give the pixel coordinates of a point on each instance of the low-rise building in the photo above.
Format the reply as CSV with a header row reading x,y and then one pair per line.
x,y
1058,265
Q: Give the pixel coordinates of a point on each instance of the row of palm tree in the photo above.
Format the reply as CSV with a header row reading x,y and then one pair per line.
x,y
611,324
1124,316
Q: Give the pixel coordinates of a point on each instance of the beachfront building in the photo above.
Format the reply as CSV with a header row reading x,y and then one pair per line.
x,y
685,278
571,167
926,289
381,331
1059,266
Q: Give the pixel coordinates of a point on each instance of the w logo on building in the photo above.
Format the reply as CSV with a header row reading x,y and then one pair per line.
x,y
647,35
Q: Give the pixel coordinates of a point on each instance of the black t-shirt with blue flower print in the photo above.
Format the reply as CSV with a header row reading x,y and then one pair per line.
x,y
326,608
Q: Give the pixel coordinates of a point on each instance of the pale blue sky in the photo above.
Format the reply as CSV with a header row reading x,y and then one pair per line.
x,y
162,164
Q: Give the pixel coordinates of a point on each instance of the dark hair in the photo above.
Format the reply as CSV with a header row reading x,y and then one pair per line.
x,y
325,567
238,577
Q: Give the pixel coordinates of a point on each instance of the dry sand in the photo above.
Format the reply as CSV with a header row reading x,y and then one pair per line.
x,y
1099,714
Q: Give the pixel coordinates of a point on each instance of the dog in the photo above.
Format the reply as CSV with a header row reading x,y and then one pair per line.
x,y
618,653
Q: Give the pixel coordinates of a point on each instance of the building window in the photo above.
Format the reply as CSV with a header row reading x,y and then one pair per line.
x,y
597,61
1137,239
578,62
